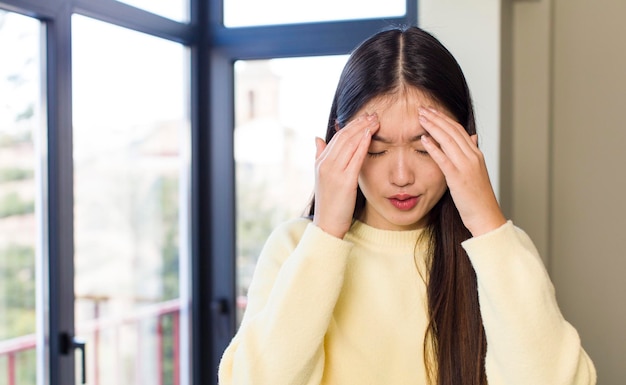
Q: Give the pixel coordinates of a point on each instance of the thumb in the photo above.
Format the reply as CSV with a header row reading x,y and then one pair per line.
x,y
320,145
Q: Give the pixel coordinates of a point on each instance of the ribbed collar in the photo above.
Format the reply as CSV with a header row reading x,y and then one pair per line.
x,y
362,232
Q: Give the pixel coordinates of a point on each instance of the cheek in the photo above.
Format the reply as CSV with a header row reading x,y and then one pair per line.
x,y
432,173
374,174
368,174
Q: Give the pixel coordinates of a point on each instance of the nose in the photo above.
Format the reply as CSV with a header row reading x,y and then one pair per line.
x,y
402,173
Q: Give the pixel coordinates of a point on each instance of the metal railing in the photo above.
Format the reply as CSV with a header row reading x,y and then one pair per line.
x,y
13,347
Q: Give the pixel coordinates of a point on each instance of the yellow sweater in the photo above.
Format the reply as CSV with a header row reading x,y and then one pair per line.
x,y
322,310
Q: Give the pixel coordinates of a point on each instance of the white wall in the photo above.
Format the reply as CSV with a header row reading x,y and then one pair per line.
x,y
471,31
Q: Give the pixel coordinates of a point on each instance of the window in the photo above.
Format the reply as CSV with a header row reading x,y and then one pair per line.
x,y
133,137
19,206
238,13
274,147
176,10
131,130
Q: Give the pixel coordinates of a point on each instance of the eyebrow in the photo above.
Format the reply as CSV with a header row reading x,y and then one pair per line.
x,y
381,139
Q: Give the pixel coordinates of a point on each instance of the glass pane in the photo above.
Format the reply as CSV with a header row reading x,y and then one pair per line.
x,y
131,141
172,9
279,109
19,107
239,13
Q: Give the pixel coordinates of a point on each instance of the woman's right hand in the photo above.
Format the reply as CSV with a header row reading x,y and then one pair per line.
x,y
337,167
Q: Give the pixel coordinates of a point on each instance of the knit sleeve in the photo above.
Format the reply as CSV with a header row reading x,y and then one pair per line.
x,y
290,303
528,340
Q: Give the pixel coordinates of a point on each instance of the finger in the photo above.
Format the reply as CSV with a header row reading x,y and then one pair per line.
x,y
343,144
320,145
451,136
358,155
468,144
451,126
355,164
447,142
441,159
450,121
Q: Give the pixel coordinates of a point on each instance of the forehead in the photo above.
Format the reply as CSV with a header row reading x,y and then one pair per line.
x,y
408,97
398,114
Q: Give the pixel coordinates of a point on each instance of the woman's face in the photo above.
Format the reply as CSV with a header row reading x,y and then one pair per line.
x,y
400,181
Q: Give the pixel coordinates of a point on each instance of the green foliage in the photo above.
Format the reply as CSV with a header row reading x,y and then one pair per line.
x,y
255,218
12,140
167,323
15,174
25,368
168,197
17,291
12,204
170,249
27,114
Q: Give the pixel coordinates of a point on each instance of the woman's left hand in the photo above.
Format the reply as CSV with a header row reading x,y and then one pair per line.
x,y
463,165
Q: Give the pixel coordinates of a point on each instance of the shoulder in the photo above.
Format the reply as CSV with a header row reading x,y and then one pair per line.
x,y
289,233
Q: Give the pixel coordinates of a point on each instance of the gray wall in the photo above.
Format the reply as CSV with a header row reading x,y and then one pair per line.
x,y
548,79
568,161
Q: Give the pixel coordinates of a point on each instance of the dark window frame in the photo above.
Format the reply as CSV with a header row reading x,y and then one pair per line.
x,y
214,48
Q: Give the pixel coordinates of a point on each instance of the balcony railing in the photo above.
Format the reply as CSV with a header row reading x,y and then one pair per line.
x,y
93,329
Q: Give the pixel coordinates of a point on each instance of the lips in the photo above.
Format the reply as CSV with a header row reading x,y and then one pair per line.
x,y
404,202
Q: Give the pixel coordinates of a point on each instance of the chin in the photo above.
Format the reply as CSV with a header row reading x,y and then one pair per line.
x,y
405,225
410,223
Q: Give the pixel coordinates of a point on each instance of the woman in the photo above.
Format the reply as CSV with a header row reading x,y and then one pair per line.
x,y
406,270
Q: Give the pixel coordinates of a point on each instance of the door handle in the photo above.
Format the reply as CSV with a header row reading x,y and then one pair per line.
x,y
68,345
80,344
220,311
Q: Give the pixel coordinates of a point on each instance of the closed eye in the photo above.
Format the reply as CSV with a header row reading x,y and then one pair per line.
x,y
376,154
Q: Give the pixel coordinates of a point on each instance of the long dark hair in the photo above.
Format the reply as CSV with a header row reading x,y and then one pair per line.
x,y
381,65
